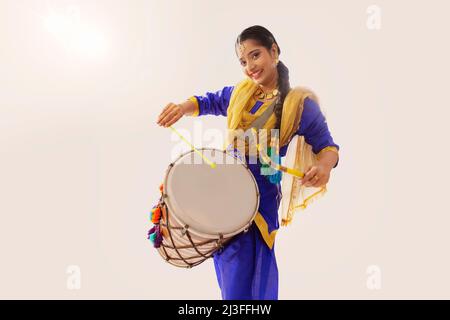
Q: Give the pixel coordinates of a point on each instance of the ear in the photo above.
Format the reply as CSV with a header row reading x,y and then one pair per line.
x,y
274,51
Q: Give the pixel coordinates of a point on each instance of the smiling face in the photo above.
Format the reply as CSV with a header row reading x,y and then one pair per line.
x,y
257,62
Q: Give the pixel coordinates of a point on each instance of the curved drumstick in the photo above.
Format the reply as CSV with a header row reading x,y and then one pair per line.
x,y
288,170
269,161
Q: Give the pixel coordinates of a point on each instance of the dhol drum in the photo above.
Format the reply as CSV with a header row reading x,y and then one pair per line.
x,y
202,207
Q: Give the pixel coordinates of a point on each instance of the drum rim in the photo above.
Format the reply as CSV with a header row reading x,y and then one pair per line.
x,y
210,235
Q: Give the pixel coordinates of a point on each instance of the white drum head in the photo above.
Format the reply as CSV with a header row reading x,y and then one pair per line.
x,y
211,201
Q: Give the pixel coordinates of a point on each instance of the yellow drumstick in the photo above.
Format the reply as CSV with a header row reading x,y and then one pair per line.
x,y
291,171
211,164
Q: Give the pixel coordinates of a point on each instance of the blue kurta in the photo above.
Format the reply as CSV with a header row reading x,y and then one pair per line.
x,y
246,268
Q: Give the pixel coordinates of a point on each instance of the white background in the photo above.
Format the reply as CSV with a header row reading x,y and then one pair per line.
x,y
81,156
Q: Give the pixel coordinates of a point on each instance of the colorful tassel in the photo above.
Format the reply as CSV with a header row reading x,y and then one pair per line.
x,y
273,175
155,216
275,178
158,239
157,211
155,236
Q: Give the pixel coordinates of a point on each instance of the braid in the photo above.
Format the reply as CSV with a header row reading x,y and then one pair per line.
x,y
284,87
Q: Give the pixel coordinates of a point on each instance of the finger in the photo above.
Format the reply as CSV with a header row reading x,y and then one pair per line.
x,y
174,119
309,175
170,117
163,117
312,183
318,183
165,111
322,181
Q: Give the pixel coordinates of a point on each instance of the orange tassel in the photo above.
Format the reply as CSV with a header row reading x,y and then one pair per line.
x,y
156,216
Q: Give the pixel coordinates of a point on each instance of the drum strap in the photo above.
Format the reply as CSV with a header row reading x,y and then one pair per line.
x,y
259,122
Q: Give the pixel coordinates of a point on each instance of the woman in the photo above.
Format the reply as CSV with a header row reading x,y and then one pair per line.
x,y
246,267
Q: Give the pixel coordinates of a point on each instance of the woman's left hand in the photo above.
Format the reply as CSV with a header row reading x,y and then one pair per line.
x,y
316,176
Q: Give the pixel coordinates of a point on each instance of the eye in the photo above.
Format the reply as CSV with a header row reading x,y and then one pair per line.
x,y
255,56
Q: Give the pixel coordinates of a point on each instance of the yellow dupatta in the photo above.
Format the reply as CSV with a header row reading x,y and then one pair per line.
x,y
299,155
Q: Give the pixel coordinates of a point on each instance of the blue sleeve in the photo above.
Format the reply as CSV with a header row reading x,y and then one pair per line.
x,y
215,103
313,126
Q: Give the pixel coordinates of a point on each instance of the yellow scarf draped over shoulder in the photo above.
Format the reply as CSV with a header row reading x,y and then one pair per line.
x,y
299,154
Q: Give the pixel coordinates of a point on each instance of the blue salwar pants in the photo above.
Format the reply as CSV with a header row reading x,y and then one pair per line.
x,y
246,269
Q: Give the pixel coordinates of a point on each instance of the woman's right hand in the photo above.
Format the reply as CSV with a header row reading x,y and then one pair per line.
x,y
170,114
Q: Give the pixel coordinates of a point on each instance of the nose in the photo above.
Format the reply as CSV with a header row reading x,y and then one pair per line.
x,y
251,69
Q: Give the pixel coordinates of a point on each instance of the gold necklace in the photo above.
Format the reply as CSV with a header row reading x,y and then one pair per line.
x,y
260,94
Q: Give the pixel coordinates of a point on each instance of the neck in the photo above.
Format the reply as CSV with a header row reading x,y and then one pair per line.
x,y
272,85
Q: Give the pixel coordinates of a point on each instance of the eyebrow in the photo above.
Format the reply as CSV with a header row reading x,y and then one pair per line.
x,y
240,59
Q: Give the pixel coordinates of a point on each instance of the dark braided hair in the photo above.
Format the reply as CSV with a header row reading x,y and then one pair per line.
x,y
265,38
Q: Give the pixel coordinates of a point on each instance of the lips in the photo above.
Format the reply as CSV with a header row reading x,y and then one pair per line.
x,y
256,75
